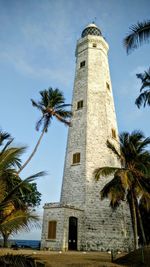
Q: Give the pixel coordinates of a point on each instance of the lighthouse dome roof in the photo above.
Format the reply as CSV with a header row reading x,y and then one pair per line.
x,y
91,29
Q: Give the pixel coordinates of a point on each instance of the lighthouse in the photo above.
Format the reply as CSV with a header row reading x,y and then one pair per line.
x,y
81,221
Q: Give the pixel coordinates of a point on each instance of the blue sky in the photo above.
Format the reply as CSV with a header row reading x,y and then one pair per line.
x,y
37,50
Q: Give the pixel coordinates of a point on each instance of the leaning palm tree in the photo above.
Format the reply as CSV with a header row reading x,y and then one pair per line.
x,y
144,97
52,104
139,34
130,180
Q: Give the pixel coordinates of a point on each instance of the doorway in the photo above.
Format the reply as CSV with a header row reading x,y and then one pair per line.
x,y
73,227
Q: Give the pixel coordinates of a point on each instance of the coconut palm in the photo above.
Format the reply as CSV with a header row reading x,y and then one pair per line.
x,y
51,105
130,180
144,97
15,213
140,33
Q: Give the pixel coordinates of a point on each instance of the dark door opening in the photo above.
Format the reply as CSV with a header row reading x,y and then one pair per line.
x,y
72,241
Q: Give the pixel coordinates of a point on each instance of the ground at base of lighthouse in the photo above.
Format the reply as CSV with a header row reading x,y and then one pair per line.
x,y
86,259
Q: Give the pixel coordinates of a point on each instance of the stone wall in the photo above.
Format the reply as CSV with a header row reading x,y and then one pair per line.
x,y
99,228
60,213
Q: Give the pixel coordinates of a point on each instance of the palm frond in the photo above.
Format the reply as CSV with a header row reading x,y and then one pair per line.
x,y
142,145
19,260
64,113
62,119
39,123
113,149
114,191
11,157
145,201
104,171
37,105
7,145
145,79
4,136
11,194
19,220
143,99
139,34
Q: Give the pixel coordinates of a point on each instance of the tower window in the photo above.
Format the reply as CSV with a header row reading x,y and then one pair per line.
x,y
52,229
82,64
108,86
76,158
94,45
80,104
113,132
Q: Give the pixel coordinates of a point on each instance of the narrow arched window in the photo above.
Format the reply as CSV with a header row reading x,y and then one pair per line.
x,y
52,229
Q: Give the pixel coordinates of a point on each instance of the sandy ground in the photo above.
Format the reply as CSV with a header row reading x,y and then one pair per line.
x,y
84,259
67,259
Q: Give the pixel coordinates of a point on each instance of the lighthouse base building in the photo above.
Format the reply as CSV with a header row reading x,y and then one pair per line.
x,y
81,220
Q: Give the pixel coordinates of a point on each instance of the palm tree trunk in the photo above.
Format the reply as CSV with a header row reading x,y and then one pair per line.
x,y
140,222
34,151
5,240
134,220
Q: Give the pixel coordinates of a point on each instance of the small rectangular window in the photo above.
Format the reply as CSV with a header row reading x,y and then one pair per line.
x,y
52,229
76,158
80,104
94,45
82,64
113,133
107,86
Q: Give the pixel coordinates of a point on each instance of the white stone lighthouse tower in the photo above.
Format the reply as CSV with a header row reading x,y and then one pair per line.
x,y
81,221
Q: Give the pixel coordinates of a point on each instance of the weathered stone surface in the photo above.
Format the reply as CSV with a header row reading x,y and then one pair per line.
x,y
99,228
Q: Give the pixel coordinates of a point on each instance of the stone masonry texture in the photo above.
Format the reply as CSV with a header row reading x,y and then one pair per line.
x,y
99,228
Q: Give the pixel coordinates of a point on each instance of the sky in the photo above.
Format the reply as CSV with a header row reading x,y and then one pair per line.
x,y
37,51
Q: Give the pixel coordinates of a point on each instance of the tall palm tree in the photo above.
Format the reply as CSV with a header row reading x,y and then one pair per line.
x,y
130,180
139,34
52,104
144,97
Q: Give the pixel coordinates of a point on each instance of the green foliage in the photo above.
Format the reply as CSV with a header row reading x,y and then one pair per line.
x,y
32,197
139,34
52,104
144,97
10,260
17,197
131,181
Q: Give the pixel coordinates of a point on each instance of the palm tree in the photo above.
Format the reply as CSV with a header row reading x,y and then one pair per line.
x,y
14,220
130,180
140,33
52,104
15,212
144,97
